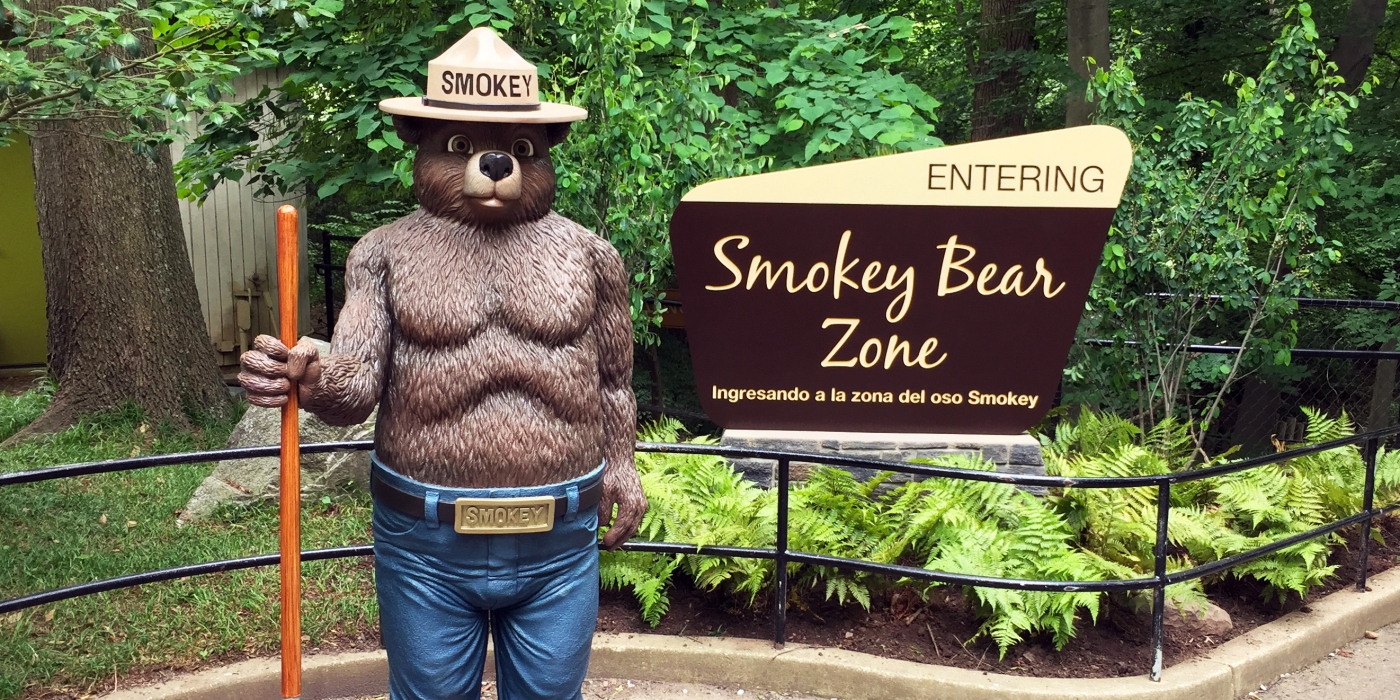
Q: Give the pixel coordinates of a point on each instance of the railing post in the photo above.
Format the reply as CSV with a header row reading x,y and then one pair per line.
x,y
1159,592
1367,506
328,282
780,559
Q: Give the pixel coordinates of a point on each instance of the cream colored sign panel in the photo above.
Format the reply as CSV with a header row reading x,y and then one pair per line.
x,y
1083,168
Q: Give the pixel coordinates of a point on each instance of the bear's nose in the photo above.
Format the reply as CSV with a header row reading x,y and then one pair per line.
x,y
496,165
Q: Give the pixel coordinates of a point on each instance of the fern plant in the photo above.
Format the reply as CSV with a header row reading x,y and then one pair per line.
x,y
1211,519
996,530
833,513
989,529
696,499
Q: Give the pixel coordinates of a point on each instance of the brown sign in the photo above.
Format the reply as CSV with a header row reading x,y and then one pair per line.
x,y
935,291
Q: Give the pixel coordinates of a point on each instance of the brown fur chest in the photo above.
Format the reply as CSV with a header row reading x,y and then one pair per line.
x,y
447,282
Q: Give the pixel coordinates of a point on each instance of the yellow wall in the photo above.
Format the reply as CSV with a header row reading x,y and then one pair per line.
x,y
23,327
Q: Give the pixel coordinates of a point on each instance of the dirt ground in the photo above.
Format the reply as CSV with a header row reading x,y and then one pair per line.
x,y
18,383
1366,669
610,688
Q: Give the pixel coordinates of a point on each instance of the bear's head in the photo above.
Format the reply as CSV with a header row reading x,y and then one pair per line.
x,y
491,174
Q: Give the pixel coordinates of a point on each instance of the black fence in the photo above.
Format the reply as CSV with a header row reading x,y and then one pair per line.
x,y
1339,365
781,554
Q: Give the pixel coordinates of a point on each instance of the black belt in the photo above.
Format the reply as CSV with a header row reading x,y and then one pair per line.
x,y
409,504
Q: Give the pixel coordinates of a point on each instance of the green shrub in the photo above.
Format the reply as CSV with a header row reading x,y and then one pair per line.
x,y
958,526
990,529
1212,519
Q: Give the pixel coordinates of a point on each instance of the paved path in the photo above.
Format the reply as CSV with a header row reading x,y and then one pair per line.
x,y
610,689
1367,669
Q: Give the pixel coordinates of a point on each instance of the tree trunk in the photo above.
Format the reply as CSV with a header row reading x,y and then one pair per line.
x,y
999,107
1088,38
123,312
1382,391
1356,44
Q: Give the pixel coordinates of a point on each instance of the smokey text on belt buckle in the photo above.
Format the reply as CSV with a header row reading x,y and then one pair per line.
x,y
504,516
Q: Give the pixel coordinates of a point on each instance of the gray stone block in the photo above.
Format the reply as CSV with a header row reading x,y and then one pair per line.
x,y
866,445
759,471
922,445
1027,454
1002,450
780,445
862,473
860,454
996,453
896,456
1026,469
1021,469
935,454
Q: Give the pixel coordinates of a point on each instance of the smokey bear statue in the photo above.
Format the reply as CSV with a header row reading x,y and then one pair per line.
x,y
495,337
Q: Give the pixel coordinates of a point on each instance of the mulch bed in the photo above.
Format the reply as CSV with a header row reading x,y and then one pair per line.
x,y
900,626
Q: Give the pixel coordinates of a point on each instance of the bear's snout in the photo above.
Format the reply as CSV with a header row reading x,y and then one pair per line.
x,y
496,165
492,175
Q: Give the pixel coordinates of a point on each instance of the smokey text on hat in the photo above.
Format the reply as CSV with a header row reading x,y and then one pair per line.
x,y
482,84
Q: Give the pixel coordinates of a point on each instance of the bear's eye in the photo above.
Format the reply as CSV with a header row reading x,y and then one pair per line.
x,y
523,148
459,144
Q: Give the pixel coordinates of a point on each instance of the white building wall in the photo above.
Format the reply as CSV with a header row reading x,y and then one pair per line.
x,y
232,241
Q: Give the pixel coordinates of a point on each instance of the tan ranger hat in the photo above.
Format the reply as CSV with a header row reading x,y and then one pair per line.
x,y
481,79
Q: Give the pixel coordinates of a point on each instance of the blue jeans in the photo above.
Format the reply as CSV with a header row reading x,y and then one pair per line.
x,y
440,591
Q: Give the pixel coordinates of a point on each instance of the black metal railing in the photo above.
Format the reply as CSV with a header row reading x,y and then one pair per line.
x,y
780,553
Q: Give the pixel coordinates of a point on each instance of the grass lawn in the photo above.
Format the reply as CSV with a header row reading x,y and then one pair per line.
x,y
68,531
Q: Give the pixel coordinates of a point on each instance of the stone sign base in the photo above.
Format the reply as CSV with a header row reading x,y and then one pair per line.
x,y
1014,454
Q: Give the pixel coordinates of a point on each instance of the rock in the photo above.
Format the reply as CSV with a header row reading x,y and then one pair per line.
x,y
1192,619
1197,620
248,480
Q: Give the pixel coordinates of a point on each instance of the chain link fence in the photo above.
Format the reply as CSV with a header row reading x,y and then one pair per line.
x,y
1344,363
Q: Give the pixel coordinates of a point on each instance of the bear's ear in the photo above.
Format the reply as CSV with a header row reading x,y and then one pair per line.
x,y
410,129
557,133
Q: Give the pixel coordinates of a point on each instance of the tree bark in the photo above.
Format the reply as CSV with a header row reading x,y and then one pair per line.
x,y
999,107
123,312
1088,38
1356,44
1382,391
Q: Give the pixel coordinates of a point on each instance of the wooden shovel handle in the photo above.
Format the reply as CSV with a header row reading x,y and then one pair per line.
x,y
290,488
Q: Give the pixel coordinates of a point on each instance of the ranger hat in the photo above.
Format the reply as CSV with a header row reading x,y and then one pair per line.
x,y
481,79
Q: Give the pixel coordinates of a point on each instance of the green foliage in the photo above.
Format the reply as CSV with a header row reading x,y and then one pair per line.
x,y
996,530
149,64
678,93
1211,519
321,129
697,499
989,529
959,526
351,225
1222,200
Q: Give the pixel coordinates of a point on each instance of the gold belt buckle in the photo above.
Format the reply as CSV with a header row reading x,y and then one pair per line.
x,y
504,516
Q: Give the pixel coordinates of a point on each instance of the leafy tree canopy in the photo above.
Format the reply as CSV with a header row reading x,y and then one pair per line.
x,y
678,93
149,64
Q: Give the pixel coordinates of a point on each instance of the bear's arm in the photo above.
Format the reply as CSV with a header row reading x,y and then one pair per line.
x,y
613,326
352,375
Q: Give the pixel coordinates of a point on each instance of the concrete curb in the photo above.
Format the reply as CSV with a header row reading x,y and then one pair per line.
x,y
1226,673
